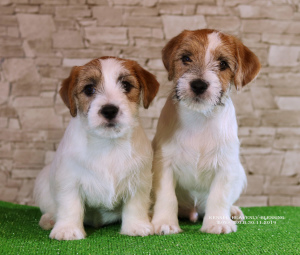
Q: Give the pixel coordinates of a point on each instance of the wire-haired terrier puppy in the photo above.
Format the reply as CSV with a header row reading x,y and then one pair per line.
x,y
101,172
197,170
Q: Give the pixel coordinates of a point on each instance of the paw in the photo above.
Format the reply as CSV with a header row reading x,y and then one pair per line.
x,y
166,228
137,229
236,214
219,226
67,232
46,221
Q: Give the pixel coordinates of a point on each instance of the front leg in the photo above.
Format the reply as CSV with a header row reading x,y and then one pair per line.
x,y
165,212
135,218
69,216
225,189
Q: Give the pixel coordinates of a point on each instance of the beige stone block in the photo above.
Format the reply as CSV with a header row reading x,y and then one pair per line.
x,y
8,20
135,21
286,92
265,164
242,102
8,51
29,102
174,25
55,72
288,103
97,2
39,118
142,11
286,39
256,141
4,88
281,118
5,10
272,12
262,98
99,35
67,39
24,173
108,16
296,201
141,32
264,25
255,185
8,111
43,26
13,124
134,52
170,9
156,64
282,190
157,33
279,200
44,61
29,156
214,10
189,9
3,178
284,55
49,156
255,150
249,120
8,194
26,73
3,122
72,11
5,2
287,143
226,24
285,80
149,42
282,180
250,201
127,2
49,2
288,131
149,3
22,8
291,164
89,53
75,62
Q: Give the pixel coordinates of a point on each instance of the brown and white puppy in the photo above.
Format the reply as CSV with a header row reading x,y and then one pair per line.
x,y
197,170
101,172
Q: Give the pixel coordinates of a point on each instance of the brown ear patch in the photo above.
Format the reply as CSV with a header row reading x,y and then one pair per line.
x,y
168,53
248,65
148,83
146,80
67,90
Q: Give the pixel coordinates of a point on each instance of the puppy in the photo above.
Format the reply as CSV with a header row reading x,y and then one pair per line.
x,y
101,172
197,170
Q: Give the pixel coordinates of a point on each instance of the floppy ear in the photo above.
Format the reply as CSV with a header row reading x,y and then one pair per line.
x,y
148,83
67,90
168,53
248,65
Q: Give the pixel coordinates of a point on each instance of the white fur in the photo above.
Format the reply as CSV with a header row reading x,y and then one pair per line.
x,y
196,157
99,175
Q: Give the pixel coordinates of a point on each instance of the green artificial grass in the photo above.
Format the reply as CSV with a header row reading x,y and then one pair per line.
x,y
21,234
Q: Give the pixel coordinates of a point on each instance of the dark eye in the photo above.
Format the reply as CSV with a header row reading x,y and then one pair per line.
x,y
89,90
185,59
223,65
126,86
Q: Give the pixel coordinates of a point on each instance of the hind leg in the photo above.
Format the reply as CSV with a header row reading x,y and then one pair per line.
x,y
47,221
236,213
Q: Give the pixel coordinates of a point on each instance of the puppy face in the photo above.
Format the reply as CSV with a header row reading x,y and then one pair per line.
x,y
203,64
106,93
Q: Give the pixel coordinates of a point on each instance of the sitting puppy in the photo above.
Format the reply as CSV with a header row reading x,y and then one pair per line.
x,y
197,170
101,172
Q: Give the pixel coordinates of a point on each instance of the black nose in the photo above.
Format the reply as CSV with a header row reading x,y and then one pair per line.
x,y
109,111
199,86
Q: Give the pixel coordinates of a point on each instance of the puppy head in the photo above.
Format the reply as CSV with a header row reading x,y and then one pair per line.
x,y
203,64
105,93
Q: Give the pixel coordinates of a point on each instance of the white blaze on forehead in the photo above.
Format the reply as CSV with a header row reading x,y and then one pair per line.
x,y
111,69
214,41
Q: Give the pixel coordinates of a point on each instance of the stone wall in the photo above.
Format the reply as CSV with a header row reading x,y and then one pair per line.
x,y
40,40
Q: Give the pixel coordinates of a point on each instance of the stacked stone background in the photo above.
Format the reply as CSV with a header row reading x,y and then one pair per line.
x,y
41,40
